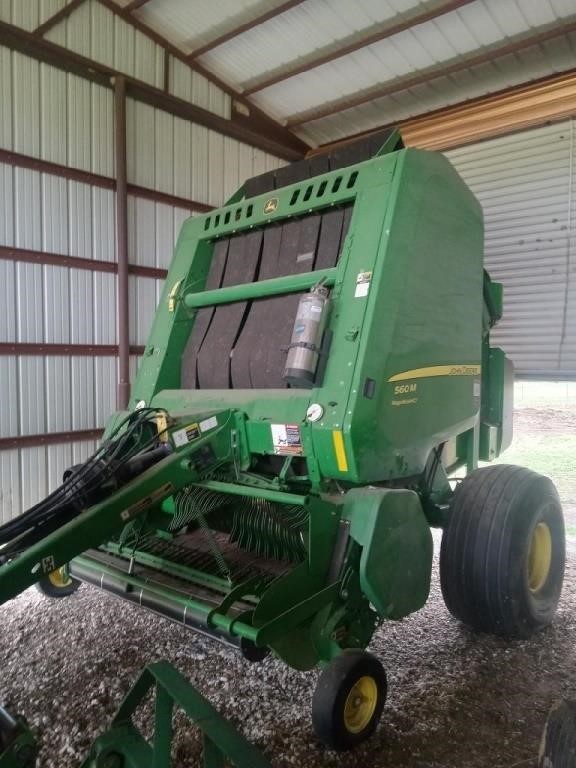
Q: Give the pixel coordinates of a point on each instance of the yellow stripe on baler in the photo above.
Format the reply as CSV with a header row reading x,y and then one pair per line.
x,y
438,370
340,451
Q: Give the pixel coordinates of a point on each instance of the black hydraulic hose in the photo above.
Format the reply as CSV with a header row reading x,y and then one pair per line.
x,y
75,488
37,533
38,523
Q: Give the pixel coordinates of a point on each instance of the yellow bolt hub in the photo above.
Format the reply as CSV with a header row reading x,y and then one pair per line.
x,y
60,578
539,557
360,704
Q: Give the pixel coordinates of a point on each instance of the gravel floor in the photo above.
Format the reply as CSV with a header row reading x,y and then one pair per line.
x,y
456,700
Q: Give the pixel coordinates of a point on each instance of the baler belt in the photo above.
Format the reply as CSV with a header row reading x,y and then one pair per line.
x,y
242,345
214,354
189,376
308,244
258,360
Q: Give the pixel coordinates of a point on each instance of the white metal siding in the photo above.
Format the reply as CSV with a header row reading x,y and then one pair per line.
x,y
59,117
526,184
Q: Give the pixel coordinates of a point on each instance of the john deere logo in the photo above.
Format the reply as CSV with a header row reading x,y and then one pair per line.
x,y
271,205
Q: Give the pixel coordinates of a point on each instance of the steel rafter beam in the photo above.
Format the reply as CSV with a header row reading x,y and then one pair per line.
x,y
65,350
122,283
62,14
134,5
241,28
355,44
261,123
251,133
54,438
27,256
519,107
404,84
19,160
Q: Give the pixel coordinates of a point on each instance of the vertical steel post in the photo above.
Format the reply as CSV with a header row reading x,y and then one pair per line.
x,y
123,312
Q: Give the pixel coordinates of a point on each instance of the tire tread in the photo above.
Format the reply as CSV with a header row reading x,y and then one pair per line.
x,y
476,546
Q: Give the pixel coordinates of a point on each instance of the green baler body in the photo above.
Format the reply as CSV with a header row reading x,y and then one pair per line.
x,y
403,372
304,547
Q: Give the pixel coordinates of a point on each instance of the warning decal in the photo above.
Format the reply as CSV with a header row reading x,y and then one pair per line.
x,y
362,284
186,435
286,439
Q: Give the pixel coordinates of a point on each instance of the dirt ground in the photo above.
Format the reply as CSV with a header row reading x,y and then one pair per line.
x,y
456,700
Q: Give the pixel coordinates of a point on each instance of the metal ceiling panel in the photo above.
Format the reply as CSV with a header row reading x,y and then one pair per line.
x,y
355,74
295,34
193,24
95,32
309,27
532,63
298,35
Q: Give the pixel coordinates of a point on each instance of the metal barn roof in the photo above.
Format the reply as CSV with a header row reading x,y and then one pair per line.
x,y
328,69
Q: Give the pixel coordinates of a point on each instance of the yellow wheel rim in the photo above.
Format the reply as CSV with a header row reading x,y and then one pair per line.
x,y
59,578
360,704
539,557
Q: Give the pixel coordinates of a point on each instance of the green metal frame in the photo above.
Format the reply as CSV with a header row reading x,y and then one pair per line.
x,y
382,191
123,745
102,521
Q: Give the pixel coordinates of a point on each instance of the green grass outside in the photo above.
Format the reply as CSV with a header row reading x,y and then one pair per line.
x,y
548,446
552,455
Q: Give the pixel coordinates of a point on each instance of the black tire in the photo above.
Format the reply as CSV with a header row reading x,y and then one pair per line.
x,y
59,583
558,745
342,714
503,551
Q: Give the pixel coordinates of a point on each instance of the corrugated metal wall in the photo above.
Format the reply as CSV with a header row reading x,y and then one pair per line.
x,y
527,186
55,116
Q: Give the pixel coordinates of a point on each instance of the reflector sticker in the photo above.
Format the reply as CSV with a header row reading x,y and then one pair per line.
x,y
153,498
172,296
362,284
339,450
286,439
